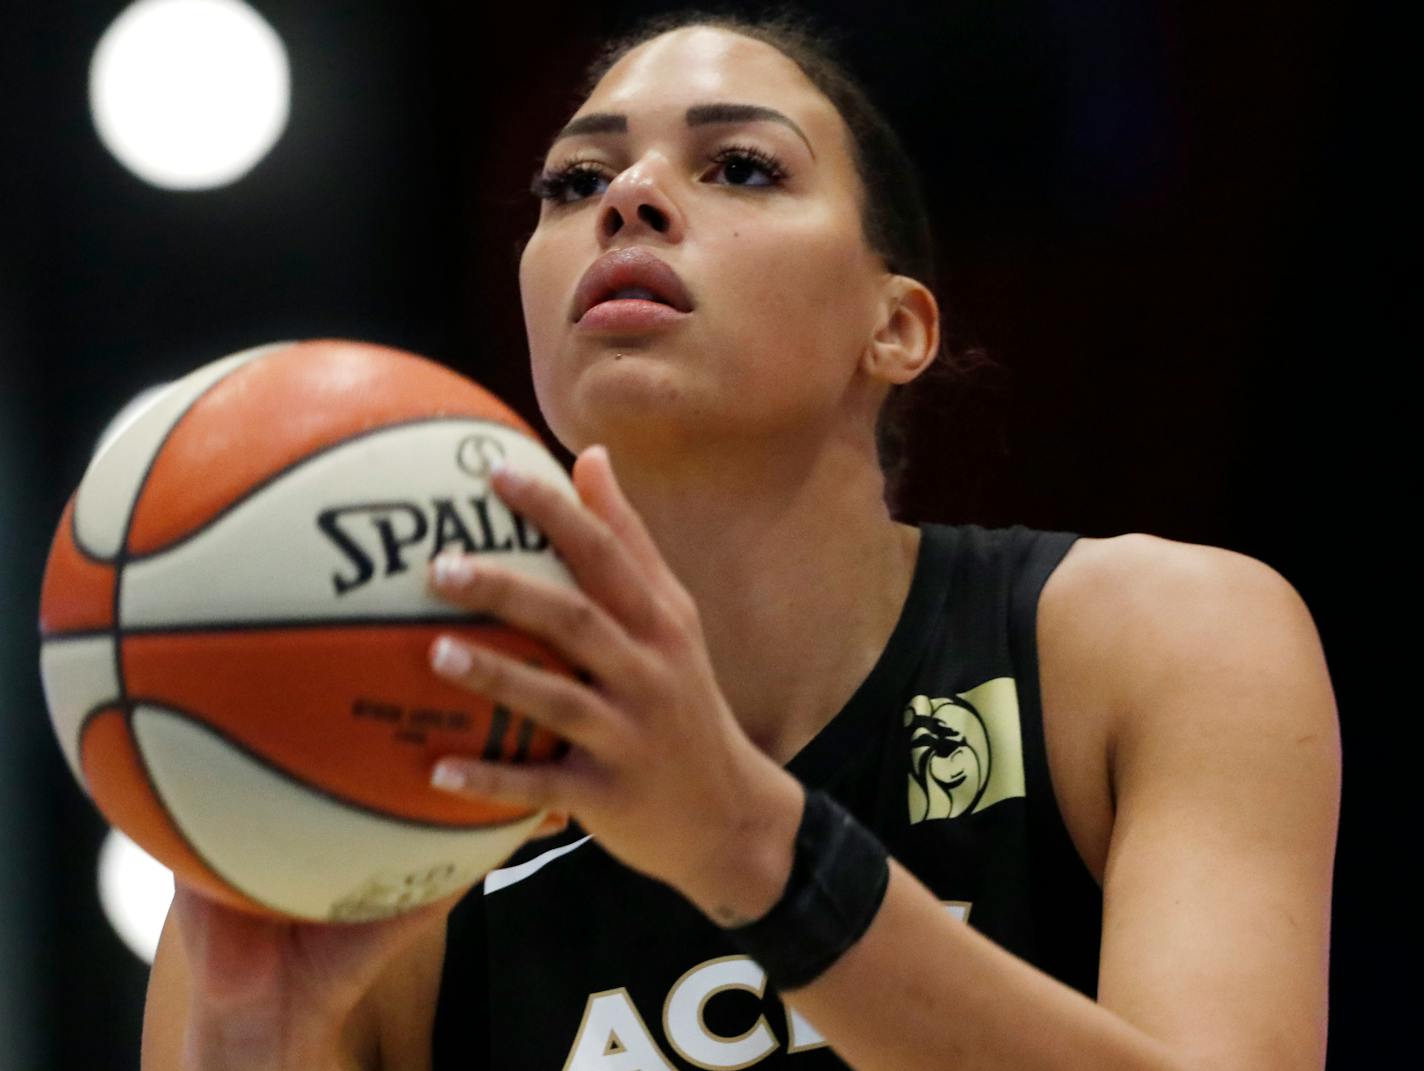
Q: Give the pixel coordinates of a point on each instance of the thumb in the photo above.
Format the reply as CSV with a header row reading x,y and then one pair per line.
x,y
599,489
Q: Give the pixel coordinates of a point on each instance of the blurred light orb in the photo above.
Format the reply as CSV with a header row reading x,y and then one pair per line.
x,y
135,890
189,94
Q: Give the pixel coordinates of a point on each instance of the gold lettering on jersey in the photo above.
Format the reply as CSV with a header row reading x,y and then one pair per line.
x,y
966,751
800,1034
958,909
613,1037
685,1024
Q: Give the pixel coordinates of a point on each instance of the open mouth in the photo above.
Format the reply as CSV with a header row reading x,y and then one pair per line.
x,y
630,275
633,293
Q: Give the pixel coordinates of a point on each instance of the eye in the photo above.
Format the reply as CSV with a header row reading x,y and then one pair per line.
x,y
579,178
741,162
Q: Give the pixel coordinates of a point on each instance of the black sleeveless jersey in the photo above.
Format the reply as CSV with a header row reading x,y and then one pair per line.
x,y
566,960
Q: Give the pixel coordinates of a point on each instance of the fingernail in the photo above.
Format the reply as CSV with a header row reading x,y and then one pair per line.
x,y
448,776
450,658
451,569
507,476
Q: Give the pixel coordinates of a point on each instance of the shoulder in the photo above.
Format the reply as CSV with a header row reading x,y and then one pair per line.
x,y
1147,626
1136,572
1162,599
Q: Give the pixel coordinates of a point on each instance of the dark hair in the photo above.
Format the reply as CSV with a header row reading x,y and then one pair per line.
x,y
894,218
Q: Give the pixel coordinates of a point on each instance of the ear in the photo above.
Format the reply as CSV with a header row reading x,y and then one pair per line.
x,y
906,336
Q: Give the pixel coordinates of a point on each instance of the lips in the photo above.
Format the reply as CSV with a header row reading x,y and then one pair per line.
x,y
634,270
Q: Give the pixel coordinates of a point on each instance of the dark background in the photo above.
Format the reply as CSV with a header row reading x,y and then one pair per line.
x,y
1166,221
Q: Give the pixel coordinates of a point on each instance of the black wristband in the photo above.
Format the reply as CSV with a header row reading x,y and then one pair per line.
x,y
839,874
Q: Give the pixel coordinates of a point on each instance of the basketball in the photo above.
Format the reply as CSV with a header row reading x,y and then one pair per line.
x,y
235,625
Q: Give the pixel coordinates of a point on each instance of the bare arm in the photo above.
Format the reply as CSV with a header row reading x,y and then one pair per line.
x,y
1227,777
232,993
1226,773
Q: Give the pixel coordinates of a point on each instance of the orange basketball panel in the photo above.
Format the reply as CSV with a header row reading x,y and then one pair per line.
x,y
78,592
354,711
119,786
269,414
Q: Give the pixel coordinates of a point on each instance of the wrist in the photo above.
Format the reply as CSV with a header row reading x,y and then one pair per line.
x,y
223,1041
839,877
747,872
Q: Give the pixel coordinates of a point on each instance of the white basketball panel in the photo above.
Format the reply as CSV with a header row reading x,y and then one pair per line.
x,y
78,676
319,541
111,483
298,851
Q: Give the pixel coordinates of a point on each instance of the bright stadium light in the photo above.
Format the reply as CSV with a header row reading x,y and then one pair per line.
x,y
189,94
135,890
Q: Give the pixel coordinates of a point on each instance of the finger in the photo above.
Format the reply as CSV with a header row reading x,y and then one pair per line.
x,y
559,703
537,787
233,955
564,617
601,565
598,487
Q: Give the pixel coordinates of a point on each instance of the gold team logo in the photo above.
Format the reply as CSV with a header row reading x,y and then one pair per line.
x,y
966,751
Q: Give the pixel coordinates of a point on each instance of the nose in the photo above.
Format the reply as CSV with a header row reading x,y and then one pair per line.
x,y
638,200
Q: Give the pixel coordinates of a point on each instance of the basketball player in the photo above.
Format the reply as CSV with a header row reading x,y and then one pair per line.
x,y
845,791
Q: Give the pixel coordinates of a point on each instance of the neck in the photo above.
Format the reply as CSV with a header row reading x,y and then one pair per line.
x,y
798,570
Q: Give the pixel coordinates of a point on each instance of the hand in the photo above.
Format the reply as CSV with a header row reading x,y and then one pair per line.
x,y
273,994
659,770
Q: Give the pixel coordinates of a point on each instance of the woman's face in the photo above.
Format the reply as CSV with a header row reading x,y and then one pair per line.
x,y
757,213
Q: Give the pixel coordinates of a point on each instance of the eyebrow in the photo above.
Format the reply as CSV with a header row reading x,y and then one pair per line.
x,y
697,115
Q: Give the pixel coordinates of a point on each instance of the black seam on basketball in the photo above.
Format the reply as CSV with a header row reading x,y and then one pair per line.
x,y
83,727
299,462
294,624
121,559
79,543
182,835
80,634
74,516
431,825
127,712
